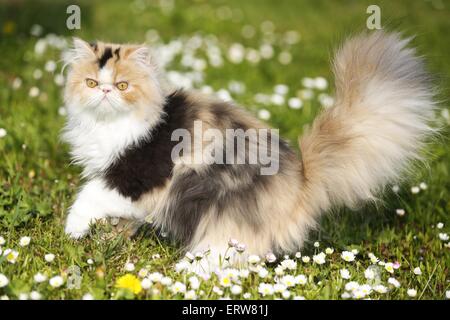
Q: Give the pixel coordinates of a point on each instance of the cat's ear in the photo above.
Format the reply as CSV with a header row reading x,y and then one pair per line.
x,y
80,49
140,54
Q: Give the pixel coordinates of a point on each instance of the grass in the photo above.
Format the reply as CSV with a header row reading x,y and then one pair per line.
x,y
37,184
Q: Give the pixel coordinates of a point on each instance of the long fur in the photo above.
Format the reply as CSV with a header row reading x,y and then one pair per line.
x,y
381,119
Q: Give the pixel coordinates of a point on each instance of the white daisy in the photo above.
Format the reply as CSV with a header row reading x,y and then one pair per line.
x,y
345,274
24,241
348,256
56,281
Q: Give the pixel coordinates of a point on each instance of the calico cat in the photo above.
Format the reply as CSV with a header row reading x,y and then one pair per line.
x,y
121,124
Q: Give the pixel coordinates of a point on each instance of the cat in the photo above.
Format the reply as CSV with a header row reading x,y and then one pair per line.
x,y
120,127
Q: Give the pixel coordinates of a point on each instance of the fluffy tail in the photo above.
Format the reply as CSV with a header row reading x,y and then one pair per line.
x,y
377,126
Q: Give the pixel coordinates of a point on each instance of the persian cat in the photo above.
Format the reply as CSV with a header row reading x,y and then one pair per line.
x,y
121,124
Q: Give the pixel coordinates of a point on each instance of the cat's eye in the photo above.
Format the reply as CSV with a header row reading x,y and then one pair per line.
x,y
122,85
91,83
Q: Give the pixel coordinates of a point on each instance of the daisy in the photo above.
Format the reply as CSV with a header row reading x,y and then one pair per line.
x,y
443,236
417,271
263,273
288,264
155,277
423,186
23,296
345,274
39,277
166,281
380,288
232,243
373,258
351,286
301,279
348,256
190,295
87,296
286,294
305,259
295,103
11,255
394,282
320,83
329,251
288,281
308,82
247,295
440,225
236,290
319,258
369,273
279,287
49,257
244,273
194,282
266,51
389,267
129,267
178,287
415,190
265,289
3,134
3,280
146,283
254,259
56,281
281,89
240,248
271,258
285,57
24,241
34,295
34,92
182,266
225,281
346,295
400,212
264,114
2,240
411,292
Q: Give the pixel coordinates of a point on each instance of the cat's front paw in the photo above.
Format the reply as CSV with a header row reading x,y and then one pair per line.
x,y
77,226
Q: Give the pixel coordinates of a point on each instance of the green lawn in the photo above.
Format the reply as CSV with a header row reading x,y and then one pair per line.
x,y
37,184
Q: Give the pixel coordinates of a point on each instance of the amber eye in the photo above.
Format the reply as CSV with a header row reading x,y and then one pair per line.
x,y
91,83
122,85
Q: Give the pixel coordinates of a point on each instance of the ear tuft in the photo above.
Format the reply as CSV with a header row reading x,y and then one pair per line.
x,y
79,50
141,54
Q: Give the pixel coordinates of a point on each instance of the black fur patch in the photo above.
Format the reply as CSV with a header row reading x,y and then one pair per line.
x,y
148,164
93,45
107,54
117,54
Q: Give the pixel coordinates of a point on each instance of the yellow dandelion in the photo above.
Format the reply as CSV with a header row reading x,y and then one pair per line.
x,y
129,282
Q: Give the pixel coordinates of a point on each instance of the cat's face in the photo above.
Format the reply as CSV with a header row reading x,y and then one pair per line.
x,y
111,79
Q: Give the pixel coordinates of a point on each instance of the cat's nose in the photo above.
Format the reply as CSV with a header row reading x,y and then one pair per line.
x,y
106,88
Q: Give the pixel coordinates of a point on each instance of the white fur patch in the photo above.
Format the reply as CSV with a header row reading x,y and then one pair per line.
x,y
95,201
